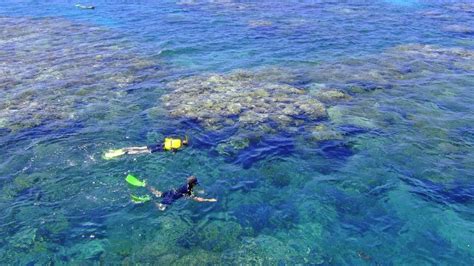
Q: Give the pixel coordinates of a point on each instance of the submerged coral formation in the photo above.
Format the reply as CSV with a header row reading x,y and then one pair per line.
x,y
432,53
331,95
232,145
462,7
315,103
456,28
245,98
395,65
54,69
259,23
240,98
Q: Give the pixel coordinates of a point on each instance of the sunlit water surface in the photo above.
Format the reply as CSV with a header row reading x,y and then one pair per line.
x,y
331,133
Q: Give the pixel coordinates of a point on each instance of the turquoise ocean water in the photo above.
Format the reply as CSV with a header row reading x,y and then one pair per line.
x,y
331,132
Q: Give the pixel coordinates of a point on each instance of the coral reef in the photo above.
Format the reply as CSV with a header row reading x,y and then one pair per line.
x,y
240,98
26,245
264,97
53,69
400,63
462,7
231,146
256,216
280,174
21,183
89,250
435,14
319,104
259,23
322,133
342,115
263,217
459,29
271,250
331,95
218,236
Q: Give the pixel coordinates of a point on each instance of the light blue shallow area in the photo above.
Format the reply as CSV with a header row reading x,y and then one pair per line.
x,y
383,175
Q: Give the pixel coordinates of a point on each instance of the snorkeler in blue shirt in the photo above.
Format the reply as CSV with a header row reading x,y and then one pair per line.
x,y
170,196
186,191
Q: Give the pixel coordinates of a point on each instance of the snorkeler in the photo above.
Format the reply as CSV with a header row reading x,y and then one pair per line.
x,y
170,144
170,196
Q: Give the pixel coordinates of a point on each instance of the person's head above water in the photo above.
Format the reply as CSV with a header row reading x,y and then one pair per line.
x,y
192,181
185,141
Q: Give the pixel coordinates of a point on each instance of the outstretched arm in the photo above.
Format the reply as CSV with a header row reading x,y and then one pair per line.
x,y
199,199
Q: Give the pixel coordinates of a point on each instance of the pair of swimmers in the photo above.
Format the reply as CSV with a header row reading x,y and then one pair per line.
x,y
167,197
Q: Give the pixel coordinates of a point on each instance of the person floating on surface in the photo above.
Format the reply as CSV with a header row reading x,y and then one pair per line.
x,y
169,144
170,196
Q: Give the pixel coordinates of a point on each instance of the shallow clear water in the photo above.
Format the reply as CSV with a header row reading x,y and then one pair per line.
x,y
331,133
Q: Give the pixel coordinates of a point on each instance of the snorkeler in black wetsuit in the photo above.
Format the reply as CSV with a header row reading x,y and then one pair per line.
x,y
169,144
186,191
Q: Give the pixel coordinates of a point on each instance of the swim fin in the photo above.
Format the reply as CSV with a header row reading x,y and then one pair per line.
x,y
140,199
134,181
110,154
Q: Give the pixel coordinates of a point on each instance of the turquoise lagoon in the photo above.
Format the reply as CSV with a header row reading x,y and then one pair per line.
x,y
332,133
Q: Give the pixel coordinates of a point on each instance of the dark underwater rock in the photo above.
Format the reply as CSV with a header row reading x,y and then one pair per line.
x,y
218,236
267,148
256,216
264,216
281,173
334,149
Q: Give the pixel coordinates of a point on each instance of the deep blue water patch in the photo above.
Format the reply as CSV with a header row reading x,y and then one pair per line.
x,y
334,149
271,147
351,130
465,133
256,216
53,130
460,193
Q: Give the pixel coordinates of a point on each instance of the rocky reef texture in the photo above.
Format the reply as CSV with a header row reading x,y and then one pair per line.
x,y
331,95
418,61
306,102
53,69
462,7
256,98
393,66
241,98
456,28
232,145
259,23
226,5
431,52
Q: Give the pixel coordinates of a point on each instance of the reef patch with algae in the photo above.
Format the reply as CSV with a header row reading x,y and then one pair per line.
x,y
53,69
